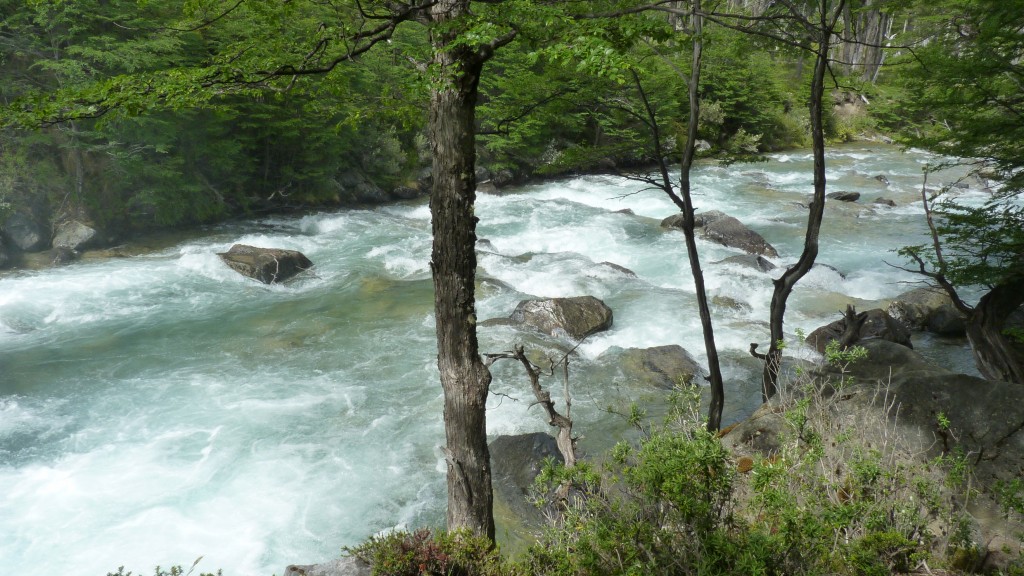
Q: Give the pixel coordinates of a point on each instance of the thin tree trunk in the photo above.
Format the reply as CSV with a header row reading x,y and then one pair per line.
x,y
685,204
714,368
784,284
464,377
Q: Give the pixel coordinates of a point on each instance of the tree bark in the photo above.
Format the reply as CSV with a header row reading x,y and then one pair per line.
x,y
993,353
464,377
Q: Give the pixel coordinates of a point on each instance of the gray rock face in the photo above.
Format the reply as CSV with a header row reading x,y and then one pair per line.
x,y
4,256
660,366
844,196
928,309
74,235
268,265
345,566
878,325
719,227
576,317
25,232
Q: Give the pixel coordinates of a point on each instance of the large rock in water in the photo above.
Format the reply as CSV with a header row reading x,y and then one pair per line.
x,y
719,227
928,309
878,325
576,317
660,366
268,265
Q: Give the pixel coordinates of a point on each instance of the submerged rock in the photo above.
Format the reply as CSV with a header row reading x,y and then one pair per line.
x,y
621,269
576,317
268,265
749,261
878,325
719,227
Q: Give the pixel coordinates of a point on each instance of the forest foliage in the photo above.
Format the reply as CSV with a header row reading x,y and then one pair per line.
x,y
135,114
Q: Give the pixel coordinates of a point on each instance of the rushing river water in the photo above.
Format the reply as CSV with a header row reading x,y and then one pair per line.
x,y
158,408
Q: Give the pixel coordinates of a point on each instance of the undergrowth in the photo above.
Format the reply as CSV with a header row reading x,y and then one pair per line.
x,y
828,499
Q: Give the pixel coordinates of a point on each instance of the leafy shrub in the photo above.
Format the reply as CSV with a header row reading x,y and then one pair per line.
x,y
423,552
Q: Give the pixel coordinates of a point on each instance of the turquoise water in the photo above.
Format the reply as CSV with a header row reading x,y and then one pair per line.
x,y
159,408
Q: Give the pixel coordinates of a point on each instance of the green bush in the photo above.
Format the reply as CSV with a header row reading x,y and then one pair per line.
x,y
423,552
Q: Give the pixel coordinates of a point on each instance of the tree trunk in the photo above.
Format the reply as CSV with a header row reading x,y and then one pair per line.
x,y
784,284
464,377
993,353
714,368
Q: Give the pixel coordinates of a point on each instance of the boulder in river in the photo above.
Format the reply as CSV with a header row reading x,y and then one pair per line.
x,y
884,201
928,309
878,325
719,227
576,317
660,366
268,265
844,196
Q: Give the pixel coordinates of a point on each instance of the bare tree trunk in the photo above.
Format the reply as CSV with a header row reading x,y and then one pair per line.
x,y
717,401
784,284
464,377
684,202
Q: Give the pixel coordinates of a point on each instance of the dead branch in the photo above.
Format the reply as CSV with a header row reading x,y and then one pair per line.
x,y
566,443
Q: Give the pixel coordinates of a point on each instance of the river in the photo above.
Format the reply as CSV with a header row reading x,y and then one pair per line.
x,y
158,408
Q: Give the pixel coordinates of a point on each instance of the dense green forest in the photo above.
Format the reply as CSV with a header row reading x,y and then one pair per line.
x,y
127,115
181,143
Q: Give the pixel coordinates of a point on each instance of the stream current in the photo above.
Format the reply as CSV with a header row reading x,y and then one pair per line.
x,y
160,407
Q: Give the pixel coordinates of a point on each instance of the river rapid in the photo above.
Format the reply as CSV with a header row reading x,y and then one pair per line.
x,y
160,407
